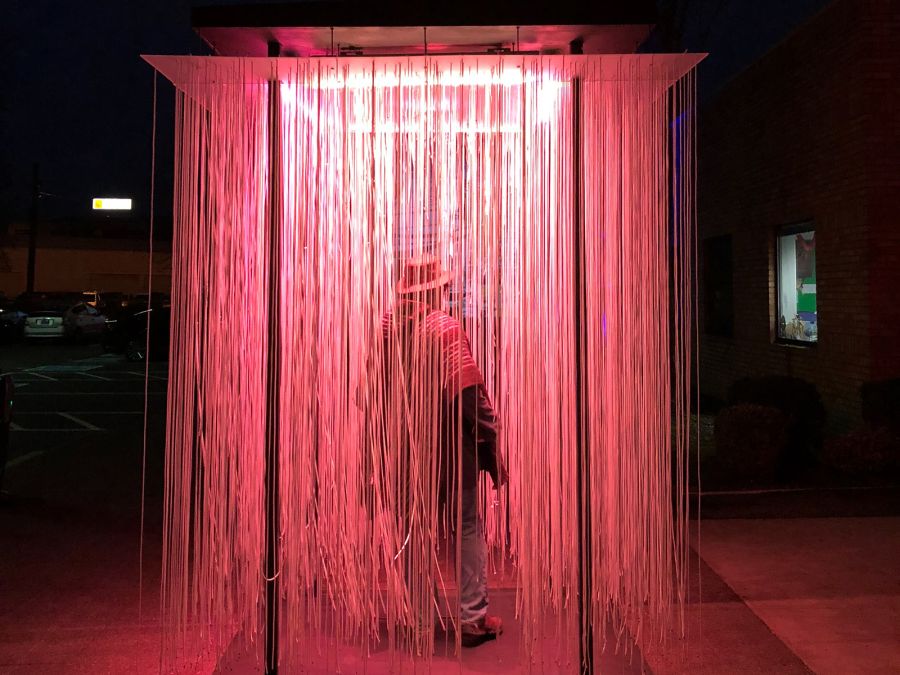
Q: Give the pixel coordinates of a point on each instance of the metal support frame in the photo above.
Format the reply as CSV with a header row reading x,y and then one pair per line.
x,y
273,378
585,568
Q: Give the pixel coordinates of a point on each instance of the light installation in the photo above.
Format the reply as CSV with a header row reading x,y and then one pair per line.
x,y
300,512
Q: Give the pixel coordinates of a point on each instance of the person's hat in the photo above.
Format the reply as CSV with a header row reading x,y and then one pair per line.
x,y
420,274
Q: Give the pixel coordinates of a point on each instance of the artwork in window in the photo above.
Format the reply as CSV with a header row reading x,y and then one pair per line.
x,y
797,316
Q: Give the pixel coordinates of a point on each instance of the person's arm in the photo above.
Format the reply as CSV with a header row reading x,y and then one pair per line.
x,y
481,420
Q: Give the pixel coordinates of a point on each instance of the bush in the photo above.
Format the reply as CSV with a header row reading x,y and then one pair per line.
x,y
881,404
865,451
801,404
751,440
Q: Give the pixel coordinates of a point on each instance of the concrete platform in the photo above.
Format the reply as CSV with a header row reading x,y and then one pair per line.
x,y
828,588
553,654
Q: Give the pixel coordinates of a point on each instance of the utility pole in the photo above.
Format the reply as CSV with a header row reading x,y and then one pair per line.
x,y
32,229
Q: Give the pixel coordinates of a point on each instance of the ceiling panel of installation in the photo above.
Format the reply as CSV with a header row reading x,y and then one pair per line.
x,y
324,41
664,68
328,27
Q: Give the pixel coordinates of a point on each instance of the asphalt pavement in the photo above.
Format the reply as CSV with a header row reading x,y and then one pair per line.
x,y
78,582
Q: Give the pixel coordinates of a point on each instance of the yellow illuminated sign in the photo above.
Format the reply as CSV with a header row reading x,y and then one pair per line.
x,y
111,204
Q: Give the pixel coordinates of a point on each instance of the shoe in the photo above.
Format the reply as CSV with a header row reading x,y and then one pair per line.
x,y
475,634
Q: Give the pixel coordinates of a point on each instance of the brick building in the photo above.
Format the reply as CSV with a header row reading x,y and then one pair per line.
x,y
806,140
81,263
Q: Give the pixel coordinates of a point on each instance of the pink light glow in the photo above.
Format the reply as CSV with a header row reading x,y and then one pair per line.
x,y
478,161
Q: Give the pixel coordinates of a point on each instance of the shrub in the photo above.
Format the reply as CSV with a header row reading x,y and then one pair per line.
x,y
801,404
751,440
881,404
865,451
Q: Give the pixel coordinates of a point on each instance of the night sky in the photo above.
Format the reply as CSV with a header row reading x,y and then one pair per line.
x,y
77,98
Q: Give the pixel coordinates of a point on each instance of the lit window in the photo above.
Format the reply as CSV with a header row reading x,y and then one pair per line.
x,y
797,318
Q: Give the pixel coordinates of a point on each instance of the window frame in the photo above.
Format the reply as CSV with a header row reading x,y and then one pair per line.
x,y
795,228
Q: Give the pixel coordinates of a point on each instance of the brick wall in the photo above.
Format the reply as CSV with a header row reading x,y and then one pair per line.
x,y
791,140
881,90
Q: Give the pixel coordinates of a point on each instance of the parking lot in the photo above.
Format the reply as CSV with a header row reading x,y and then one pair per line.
x,y
78,579
68,390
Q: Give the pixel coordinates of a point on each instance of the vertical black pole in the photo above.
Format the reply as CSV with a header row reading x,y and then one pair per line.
x,y
32,229
273,379
585,568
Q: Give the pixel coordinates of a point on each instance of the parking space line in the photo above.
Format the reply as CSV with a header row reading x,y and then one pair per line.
x,y
93,393
45,430
21,459
78,420
141,375
15,427
17,376
81,379
70,379
98,377
112,412
46,377
94,359
81,412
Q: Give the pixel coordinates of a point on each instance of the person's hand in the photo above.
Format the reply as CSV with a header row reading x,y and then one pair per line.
x,y
502,475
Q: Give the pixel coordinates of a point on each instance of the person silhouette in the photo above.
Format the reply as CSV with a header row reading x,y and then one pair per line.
x,y
427,350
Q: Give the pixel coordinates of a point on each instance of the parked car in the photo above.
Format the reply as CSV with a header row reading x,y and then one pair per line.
x,y
127,334
155,299
83,321
12,320
52,318
91,298
45,323
112,304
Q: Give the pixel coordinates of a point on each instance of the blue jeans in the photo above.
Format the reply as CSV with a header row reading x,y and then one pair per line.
x,y
473,596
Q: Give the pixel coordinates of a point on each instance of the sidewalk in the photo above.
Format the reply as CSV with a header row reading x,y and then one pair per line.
x,y
818,593
828,588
